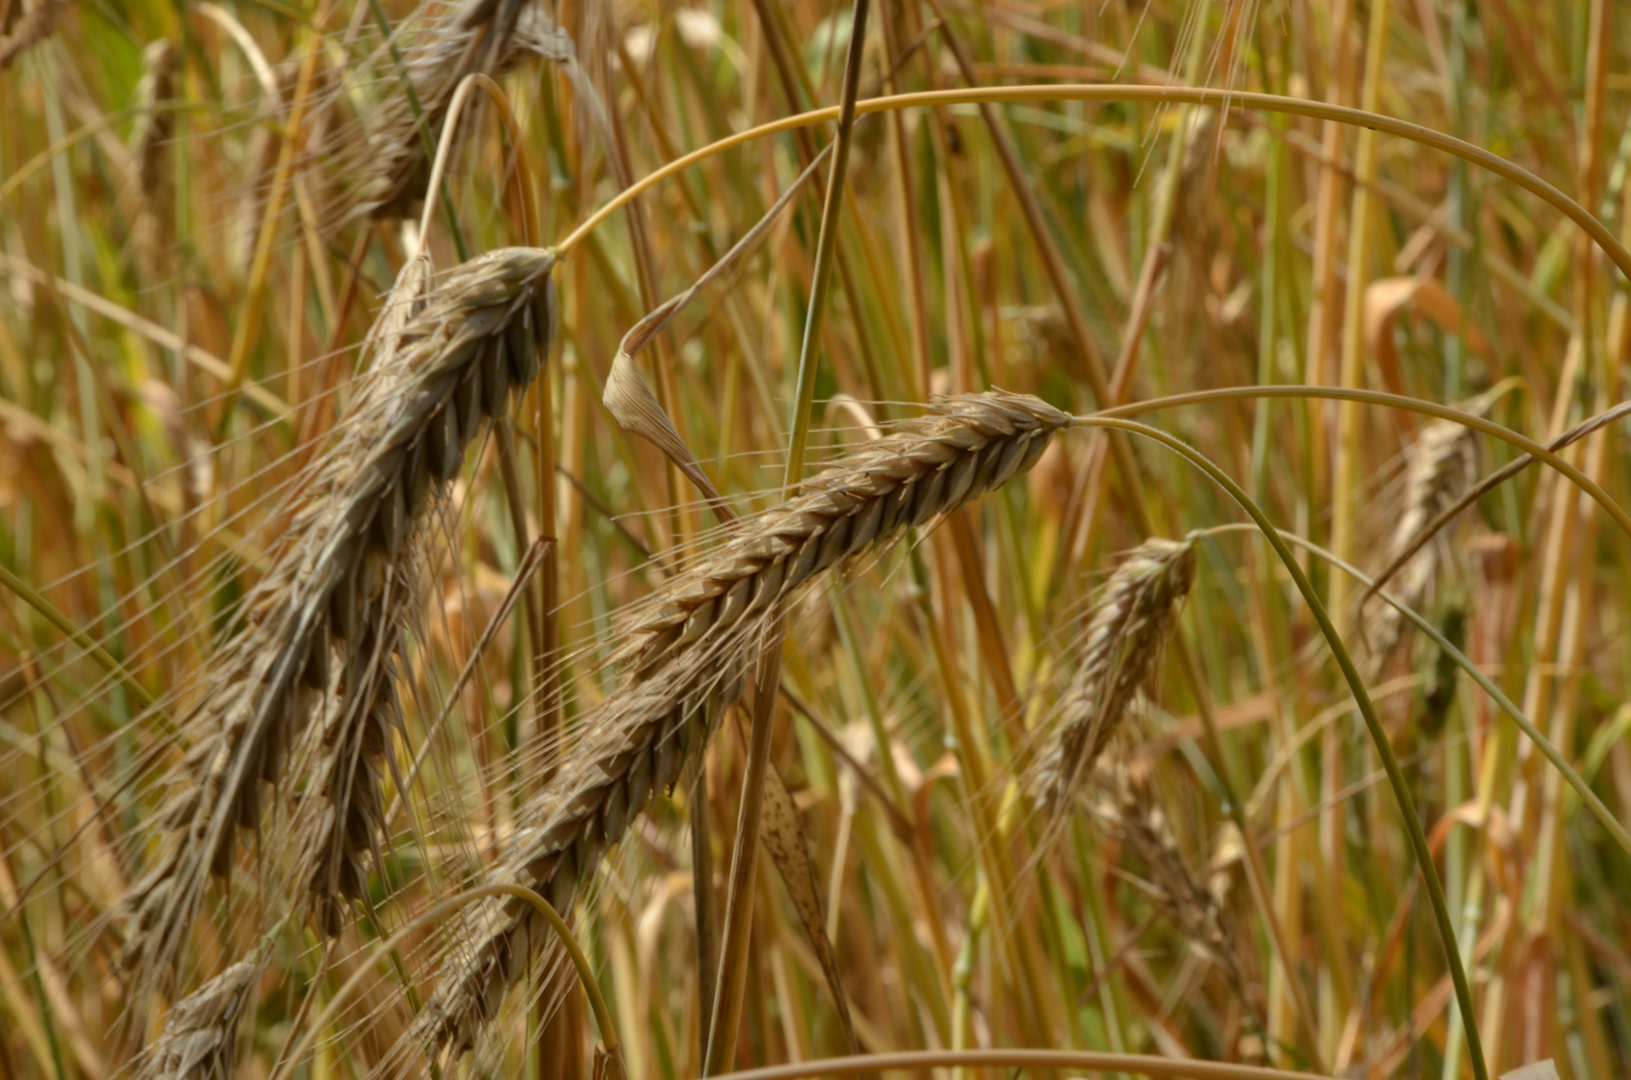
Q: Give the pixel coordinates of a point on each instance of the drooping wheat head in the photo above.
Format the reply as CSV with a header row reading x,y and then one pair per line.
x,y
149,140
1128,808
696,638
1440,467
326,619
1127,628
391,165
26,25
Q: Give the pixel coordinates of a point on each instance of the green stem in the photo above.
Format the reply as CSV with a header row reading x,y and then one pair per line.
x,y
1397,401
1603,814
76,635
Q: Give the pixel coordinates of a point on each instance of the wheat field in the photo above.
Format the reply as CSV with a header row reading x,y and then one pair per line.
x,y
1122,503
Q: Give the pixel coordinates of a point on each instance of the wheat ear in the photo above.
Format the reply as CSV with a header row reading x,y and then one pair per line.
x,y
149,140
37,22
199,1040
1126,630
1128,808
1441,465
690,648
325,619
393,164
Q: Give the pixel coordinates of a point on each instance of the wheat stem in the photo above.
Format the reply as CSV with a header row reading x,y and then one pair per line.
x,y
1172,95
733,952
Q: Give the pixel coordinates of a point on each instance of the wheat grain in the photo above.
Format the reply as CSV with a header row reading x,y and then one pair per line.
x,y
696,638
325,621
1126,630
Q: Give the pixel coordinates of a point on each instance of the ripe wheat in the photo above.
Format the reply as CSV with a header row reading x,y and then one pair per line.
x,y
325,620
1127,628
689,652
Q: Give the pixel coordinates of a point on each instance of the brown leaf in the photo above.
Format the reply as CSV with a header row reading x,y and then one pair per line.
x,y
782,834
638,412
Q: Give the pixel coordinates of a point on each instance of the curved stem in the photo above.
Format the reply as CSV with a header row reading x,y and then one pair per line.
x,y
1377,397
1384,749
1179,95
1603,814
586,973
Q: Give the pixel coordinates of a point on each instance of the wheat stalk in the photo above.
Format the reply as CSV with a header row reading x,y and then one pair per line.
x,y
690,649
325,620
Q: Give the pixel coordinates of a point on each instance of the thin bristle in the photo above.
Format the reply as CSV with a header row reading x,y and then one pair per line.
x,y
1126,631
691,650
326,618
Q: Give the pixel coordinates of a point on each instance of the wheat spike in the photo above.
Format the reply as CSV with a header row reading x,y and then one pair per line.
x,y
201,1030
325,620
393,163
1440,467
693,644
1126,630
1127,806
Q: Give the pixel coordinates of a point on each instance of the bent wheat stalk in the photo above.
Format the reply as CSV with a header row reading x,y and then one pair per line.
x,y
692,647
325,621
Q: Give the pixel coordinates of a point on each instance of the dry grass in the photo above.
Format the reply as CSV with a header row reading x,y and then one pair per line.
x,y
331,591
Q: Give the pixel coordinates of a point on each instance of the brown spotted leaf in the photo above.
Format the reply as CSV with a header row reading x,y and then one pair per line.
x,y
782,834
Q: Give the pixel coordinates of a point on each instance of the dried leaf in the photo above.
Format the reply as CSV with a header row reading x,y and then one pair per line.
x,y
638,412
782,834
